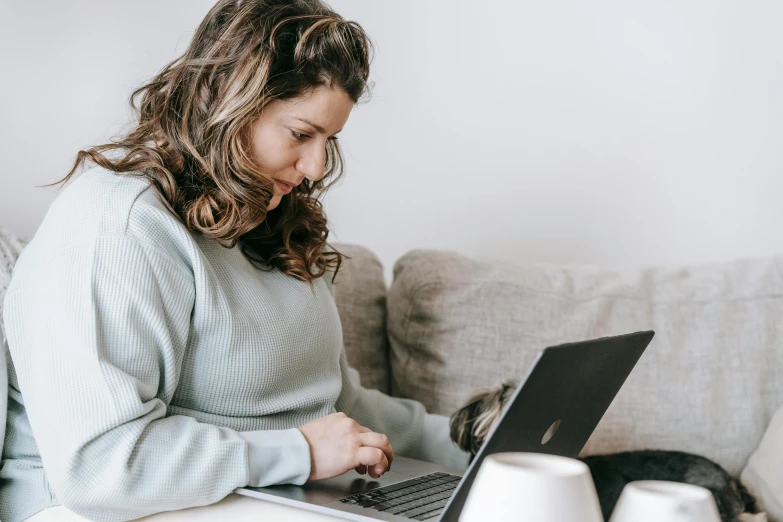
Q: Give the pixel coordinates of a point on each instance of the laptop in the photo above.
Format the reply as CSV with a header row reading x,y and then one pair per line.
x,y
554,410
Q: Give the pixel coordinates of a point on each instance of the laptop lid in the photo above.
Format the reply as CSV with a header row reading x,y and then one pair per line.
x,y
559,403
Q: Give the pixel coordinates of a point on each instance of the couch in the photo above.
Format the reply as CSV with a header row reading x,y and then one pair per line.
x,y
450,325
710,382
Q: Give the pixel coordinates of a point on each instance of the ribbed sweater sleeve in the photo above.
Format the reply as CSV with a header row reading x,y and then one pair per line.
x,y
412,431
99,331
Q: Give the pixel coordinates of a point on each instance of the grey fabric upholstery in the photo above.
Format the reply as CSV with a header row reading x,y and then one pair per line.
x,y
360,293
10,248
708,383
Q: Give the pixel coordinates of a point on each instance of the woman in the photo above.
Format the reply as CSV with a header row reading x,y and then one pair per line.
x,y
172,325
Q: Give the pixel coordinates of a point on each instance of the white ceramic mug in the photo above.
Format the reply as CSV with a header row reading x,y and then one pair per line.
x,y
661,501
532,487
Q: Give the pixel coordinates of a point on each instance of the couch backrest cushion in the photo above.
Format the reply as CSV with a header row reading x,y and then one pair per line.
x,y
709,382
10,247
360,293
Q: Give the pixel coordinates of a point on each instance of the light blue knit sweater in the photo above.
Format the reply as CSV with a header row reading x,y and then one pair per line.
x,y
154,370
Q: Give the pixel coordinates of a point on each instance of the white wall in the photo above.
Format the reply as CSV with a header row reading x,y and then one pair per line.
x,y
606,131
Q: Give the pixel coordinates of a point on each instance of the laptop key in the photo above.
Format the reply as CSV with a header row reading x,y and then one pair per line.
x,y
423,509
427,516
416,505
419,496
426,495
413,495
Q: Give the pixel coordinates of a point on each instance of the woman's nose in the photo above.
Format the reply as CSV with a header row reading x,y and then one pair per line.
x,y
313,162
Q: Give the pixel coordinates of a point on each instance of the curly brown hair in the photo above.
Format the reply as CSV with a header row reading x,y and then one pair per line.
x,y
191,140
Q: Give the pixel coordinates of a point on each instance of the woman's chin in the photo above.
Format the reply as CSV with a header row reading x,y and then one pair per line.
x,y
273,203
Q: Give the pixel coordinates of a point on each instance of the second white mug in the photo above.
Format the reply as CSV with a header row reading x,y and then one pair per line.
x,y
659,501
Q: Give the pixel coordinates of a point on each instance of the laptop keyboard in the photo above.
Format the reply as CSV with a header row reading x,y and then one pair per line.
x,y
419,498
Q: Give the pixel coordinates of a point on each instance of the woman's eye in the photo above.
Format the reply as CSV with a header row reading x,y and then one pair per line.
x,y
301,137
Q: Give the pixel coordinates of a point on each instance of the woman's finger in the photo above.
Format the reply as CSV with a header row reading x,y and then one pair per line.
x,y
380,441
375,460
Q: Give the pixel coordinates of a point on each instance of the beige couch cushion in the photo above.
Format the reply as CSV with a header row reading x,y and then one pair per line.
x,y
10,248
360,293
709,382
763,475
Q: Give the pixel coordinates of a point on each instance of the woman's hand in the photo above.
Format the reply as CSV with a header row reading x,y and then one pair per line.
x,y
338,443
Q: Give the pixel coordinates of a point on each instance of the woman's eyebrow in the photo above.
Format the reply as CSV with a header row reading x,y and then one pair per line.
x,y
313,125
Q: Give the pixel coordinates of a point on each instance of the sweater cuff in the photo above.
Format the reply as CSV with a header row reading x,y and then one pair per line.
x,y
277,457
436,444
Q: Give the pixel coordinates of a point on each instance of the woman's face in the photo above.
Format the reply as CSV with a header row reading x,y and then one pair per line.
x,y
288,140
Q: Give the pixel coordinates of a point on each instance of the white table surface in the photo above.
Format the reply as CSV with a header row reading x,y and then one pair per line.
x,y
236,508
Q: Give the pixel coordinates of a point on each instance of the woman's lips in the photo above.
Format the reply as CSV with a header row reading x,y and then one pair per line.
x,y
285,187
